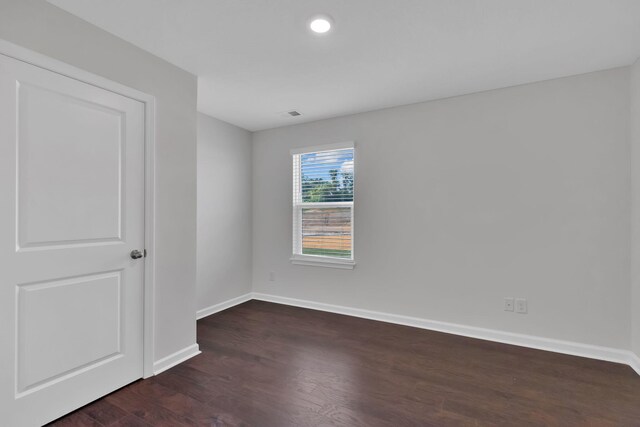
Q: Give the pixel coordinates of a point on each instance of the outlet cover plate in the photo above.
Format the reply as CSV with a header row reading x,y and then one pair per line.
x,y
508,304
521,305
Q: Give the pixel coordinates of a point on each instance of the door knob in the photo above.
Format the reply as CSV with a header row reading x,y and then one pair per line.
x,y
135,254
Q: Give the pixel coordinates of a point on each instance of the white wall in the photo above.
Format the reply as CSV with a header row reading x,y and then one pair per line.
x,y
224,211
519,192
39,26
635,212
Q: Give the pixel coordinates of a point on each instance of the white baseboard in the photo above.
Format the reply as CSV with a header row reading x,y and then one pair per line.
x,y
176,358
559,346
634,362
548,344
208,311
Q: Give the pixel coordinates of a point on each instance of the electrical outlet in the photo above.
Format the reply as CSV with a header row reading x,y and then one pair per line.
x,y
508,304
521,305
272,276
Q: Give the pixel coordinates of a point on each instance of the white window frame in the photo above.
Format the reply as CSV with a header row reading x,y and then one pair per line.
x,y
317,260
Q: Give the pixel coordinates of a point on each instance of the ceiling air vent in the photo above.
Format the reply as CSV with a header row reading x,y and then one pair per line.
x,y
293,113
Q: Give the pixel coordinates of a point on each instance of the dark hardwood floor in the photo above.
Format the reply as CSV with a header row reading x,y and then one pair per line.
x,y
272,365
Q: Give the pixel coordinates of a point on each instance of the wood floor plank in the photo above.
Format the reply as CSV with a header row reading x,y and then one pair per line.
x,y
104,412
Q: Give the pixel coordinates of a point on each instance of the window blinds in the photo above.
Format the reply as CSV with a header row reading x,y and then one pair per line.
x,y
323,194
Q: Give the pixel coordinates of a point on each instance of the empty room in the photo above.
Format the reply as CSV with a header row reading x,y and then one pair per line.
x,y
289,213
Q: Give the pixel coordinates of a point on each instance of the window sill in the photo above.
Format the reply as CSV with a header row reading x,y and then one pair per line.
x,y
318,261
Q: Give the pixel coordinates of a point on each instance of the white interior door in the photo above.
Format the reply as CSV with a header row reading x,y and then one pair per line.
x,y
71,211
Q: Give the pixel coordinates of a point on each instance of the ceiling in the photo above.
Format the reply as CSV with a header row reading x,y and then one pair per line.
x,y
256,59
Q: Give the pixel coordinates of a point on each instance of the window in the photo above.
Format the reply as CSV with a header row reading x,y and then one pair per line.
x,y
323,184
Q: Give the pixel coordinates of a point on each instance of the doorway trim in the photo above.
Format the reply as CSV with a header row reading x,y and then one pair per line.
x,y
42,61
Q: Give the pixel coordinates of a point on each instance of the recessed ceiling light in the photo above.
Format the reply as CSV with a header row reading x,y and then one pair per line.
x,y
320,24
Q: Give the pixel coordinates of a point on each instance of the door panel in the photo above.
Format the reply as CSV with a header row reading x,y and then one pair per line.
x,y
62,345
72,193
90,207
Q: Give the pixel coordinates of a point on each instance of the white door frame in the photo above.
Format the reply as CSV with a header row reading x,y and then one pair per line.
x,y
149,101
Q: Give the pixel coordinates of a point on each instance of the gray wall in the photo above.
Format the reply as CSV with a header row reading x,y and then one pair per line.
x,y
224,211
635,212
515,192
520,192
41,27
